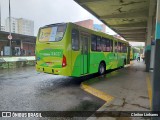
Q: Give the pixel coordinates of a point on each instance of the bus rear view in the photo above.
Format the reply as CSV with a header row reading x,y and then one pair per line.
x,y
50,49
72,50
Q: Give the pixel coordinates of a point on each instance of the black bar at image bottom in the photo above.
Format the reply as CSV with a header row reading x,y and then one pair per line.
x,y
79,114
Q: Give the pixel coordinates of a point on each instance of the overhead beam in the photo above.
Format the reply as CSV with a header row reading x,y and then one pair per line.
x,y
136,40
127,28
135,14
136,35
132,32
133,36
135,25
130,28
82,2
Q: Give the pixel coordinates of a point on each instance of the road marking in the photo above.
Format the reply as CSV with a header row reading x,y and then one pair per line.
x,y
97,93
149,89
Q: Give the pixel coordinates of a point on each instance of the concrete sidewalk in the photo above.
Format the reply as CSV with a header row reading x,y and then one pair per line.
x,y
129,87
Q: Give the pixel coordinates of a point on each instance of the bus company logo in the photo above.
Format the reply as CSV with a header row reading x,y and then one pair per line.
x,y
6,114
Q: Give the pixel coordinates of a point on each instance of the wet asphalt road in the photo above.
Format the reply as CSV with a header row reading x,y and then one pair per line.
x,y
24,89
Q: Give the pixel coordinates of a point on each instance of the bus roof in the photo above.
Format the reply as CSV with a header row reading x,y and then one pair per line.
x,y
92,31
99,33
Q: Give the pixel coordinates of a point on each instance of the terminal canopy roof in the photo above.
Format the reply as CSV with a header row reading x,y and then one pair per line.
x,y
15,36
129,18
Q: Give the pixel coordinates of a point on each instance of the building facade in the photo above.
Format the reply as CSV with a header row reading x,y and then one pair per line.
x,y
86,23
20,26
90,25
14,25
25,27
99,27
3,28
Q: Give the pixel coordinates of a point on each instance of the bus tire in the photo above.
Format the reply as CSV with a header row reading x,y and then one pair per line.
x,y
102,68
124,63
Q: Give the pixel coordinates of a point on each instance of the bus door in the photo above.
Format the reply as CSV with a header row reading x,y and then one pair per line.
x,y
84,53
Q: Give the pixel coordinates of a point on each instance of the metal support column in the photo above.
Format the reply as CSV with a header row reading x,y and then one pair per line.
x,y
0,18
156,74
149,35
147,57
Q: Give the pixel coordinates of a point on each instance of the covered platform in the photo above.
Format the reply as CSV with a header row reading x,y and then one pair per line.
x,y
127,89
129,18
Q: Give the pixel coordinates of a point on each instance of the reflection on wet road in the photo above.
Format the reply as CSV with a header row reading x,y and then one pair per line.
x,y
24,89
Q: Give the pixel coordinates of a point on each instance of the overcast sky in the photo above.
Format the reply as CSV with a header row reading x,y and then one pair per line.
x,y
44,12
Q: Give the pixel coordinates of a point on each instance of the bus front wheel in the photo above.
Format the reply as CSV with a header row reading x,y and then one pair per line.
x,y
102,68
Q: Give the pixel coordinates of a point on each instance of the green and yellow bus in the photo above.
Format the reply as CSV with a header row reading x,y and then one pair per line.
x,y
131,54
71,50
134,53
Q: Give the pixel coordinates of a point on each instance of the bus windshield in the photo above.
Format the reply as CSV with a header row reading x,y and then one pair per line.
x,y
52,33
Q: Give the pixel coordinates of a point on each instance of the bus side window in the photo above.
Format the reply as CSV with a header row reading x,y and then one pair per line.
x,y
119,47
111,45
93,42
124,48
75,39
116,47
98,43
108,45
103,45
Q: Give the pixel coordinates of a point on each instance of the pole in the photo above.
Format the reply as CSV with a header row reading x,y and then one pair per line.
x,y
156,75
0,17
10,27
149,36
9,18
